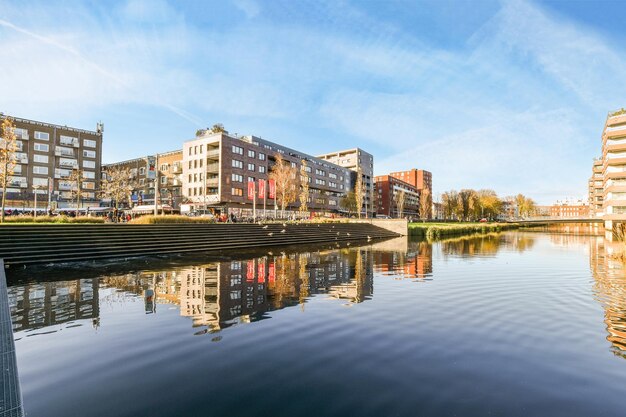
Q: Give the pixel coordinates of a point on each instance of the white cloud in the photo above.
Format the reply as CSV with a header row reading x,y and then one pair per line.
x,y
250,7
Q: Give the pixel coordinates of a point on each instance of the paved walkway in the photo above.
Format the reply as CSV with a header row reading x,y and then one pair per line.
x,y
11,398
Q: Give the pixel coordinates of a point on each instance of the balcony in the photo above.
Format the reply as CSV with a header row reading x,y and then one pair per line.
x,y
212,182
213,154
68,163
213,168
64,152
69,141
176,182
65,186
21,158
177,169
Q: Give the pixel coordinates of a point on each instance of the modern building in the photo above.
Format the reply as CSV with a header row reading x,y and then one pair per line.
x,y
418,178
613,159
596,190
357,160
167,171
47,155
388,191
219,166
571,209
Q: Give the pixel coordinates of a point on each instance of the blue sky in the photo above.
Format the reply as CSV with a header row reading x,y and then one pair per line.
x,y
509,95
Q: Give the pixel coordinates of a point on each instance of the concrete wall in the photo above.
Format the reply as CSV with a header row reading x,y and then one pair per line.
x,y
399,226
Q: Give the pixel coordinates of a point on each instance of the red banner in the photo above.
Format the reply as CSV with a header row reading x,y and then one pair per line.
x,y
261,272
251,190
272,187
250,271
261,188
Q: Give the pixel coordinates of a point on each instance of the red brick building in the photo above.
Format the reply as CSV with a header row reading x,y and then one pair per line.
x,y
387,190
569,209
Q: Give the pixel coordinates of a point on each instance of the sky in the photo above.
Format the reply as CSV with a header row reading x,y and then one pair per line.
x,y
508,95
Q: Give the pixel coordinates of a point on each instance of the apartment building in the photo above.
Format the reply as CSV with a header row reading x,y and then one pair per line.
x,y
596,191
418,178
218,166
47,155
571,209
356,160
165,168
388,189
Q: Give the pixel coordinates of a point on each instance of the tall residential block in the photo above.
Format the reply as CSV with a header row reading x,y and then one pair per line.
x,y
47,155
389,192
596,190
357,160
168,172
217,167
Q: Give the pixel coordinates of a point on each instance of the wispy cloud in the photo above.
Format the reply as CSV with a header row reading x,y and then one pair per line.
x,y
518,106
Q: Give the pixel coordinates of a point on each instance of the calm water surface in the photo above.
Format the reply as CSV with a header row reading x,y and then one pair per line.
x,y
520,324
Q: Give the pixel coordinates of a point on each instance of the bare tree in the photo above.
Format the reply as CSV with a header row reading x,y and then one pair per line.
x,y
8,149
450,202
358,191
117,185
285,177
304,186
400,198
75,179
426,203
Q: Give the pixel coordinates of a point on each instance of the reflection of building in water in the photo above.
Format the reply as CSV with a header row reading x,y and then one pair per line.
x,y
221,294
610,289
45,304
415,262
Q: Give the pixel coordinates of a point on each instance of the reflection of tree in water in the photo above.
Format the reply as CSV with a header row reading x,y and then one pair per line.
x,y
519,241
610,290
472,245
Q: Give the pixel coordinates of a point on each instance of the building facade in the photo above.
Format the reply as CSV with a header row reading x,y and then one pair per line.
x,y
418,178
47,154
596,191
218,166
388,189
167,171
609,202
571,209
357,160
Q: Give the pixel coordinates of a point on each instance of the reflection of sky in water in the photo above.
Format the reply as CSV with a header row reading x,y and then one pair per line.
x,y
511,324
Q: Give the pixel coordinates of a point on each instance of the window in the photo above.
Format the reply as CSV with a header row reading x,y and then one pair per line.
x,y
261,156
40,182
331,175
190,167
89,154
251,167
42,147
42,135
307,169
20,133
89,164
89,143
189,161
142,171
89,175
237,191
164,167
89,185
293,164
237,150
189,178
237,178
250,179
237,164
201,146
251,154
320,172
40,170
142,181
42,159
261,169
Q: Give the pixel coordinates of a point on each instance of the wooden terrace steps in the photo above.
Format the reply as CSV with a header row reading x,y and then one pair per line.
x,y
31,244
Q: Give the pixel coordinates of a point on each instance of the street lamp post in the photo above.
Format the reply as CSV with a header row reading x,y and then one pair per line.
x,y
35,189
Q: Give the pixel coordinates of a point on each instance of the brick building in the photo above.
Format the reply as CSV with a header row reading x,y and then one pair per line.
x,y
47,155
387,190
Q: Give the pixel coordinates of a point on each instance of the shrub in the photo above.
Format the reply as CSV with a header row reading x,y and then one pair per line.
x,y
169,219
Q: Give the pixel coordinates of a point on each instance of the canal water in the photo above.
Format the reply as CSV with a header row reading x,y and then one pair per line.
x,y
515,324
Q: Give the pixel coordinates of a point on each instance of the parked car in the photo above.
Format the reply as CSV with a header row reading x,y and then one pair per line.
x,y
382,216
202,213
483,220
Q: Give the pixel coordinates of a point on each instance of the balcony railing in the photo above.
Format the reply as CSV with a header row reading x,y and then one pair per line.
x,y
213,167
213,153
64,152
177,169
212,182
70,142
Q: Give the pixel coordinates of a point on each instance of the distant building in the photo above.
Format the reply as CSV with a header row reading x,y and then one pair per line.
x,y
437,211
47,155
387,190
355,160
418,178
168,168
596,190
576,209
